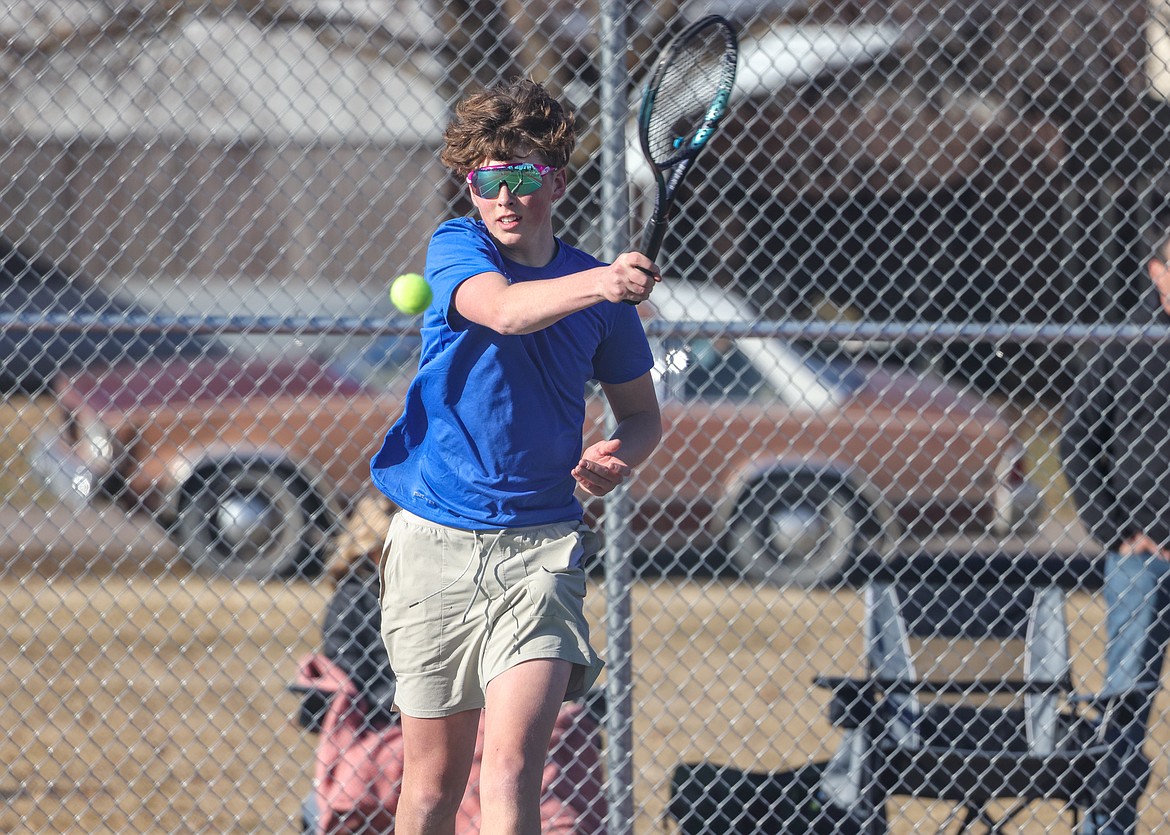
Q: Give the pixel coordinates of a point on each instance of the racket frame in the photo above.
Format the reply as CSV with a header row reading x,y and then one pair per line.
x,y
680,164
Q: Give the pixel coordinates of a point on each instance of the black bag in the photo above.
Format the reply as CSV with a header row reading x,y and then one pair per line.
x,y
709,799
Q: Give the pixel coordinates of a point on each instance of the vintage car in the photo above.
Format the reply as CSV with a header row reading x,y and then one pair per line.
x,y
785,460
249,462
791,459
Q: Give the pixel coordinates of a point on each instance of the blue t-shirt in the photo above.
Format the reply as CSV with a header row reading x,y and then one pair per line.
x,y
492,424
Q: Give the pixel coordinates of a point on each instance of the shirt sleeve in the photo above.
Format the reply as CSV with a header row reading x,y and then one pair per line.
x,y
624,354
457,251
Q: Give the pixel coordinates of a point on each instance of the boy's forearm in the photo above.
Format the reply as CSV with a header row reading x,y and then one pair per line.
x,y
639,434
531,306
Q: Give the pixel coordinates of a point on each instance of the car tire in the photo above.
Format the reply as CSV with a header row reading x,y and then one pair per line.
x,y
251,519
800,529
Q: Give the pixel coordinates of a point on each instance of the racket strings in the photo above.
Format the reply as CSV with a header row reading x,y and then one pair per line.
x,y
690,82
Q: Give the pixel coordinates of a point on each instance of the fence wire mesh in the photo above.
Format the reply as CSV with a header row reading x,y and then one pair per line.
x,y
919,231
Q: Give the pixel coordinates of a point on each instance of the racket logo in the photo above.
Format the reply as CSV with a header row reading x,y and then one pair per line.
x,y
711,121
718,106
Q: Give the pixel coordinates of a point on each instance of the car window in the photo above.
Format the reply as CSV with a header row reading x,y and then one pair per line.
x,y
709,369
835,369
36,287
381,361
798,374
720,369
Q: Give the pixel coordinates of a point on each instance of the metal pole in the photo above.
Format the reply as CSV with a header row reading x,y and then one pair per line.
x,y
615,232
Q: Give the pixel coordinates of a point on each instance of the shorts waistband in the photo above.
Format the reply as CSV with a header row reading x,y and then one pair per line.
x,y
415,519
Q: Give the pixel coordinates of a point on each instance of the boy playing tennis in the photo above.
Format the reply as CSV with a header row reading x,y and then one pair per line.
x,y
482,582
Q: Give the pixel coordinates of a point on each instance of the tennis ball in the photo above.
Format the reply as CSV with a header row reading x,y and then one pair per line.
x,y
410,293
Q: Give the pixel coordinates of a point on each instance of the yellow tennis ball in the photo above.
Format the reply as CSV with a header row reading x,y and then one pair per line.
x,y
410,293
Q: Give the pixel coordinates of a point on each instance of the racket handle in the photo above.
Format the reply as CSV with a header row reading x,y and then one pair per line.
x,y
643,269
653,238
655,232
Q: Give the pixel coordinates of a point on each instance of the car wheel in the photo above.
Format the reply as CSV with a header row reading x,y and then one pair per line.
x,y
796,530
251,519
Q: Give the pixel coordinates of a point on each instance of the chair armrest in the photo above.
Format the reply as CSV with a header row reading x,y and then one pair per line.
x,y
854,701
984,687
980,687
1120,698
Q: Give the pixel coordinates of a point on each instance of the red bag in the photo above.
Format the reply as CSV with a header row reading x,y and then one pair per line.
x,y
358,772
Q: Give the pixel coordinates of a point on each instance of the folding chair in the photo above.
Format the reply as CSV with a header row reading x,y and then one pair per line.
x,y
968,698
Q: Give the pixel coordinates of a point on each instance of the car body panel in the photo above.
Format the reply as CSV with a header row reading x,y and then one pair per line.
x,y
736,412
168,417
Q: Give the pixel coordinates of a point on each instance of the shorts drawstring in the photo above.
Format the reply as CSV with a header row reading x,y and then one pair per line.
x,y
480,570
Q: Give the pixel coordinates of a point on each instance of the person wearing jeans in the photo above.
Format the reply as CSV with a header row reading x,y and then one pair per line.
x,y
1116,451
1137,603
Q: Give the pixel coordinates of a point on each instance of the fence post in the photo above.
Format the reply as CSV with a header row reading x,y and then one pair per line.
x,y
618,573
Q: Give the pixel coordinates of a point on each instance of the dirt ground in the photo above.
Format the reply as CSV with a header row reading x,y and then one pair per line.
x,y
150,704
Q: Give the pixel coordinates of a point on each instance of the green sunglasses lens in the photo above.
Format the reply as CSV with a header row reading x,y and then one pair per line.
x,y
525,182
520,181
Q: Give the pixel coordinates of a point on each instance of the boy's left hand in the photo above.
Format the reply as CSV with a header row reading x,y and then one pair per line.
x,y
600,470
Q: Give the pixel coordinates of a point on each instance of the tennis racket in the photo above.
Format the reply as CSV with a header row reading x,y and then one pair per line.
x,y
682,106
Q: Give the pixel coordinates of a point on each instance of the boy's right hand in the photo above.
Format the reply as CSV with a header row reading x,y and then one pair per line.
x,y
630,278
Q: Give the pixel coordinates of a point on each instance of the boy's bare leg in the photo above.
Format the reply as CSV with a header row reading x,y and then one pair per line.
x,y
522,708
438,754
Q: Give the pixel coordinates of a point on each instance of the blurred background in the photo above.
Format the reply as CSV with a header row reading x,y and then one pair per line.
x,y
882,279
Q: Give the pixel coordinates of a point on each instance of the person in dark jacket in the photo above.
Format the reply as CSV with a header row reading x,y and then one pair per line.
x,y
351,631
1116,452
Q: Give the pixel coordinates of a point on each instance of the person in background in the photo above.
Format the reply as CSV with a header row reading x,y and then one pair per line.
x,y
351,640
1116,451
483,581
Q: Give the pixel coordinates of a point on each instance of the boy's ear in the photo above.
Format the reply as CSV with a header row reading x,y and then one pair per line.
x,y
560,183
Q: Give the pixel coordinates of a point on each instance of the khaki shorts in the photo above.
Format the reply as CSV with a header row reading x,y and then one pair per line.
x,y
460,607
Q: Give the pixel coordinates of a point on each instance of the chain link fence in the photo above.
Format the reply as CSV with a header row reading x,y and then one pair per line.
x,y
918,220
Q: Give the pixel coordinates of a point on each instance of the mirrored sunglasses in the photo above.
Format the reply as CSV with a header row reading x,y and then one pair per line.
x,y
521,178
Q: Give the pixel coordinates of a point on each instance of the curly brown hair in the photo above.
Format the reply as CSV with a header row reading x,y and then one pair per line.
x,y
512,119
